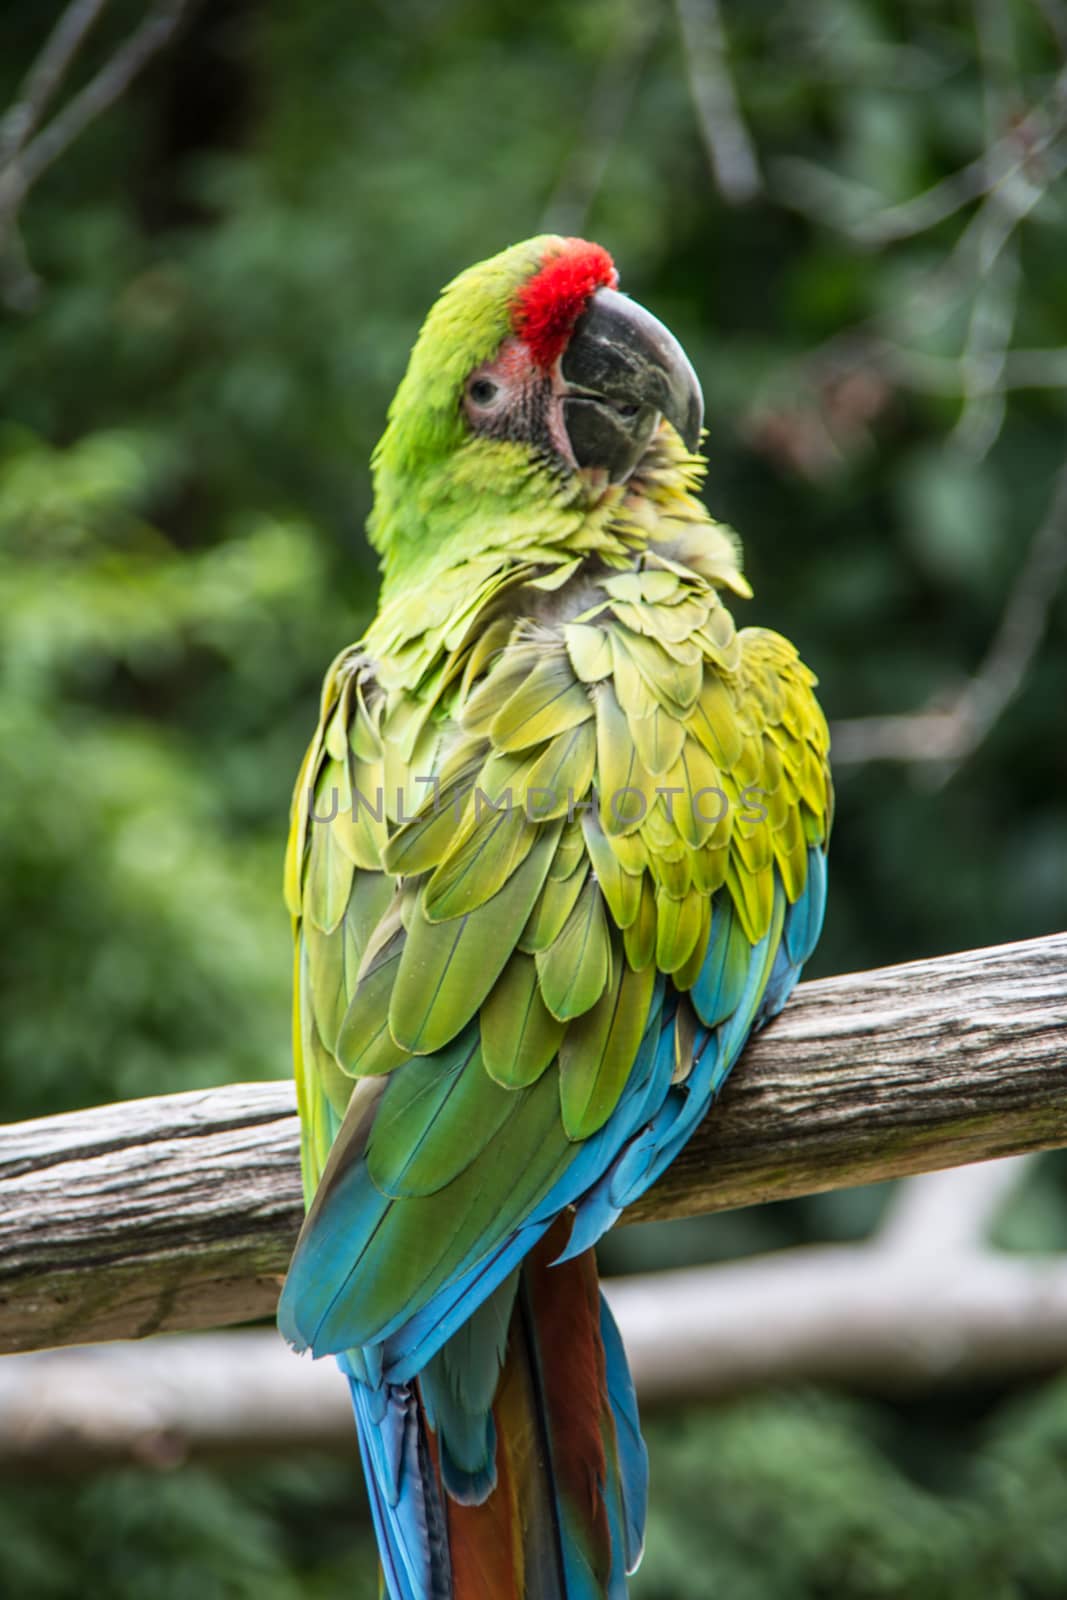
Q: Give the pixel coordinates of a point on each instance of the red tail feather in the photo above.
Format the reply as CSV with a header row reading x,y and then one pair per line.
x,y
484,1540
550,1412
564,1303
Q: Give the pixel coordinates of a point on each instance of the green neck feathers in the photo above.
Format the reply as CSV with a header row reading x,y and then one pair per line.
x,y
458,516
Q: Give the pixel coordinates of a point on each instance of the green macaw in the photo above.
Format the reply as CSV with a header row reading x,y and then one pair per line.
x,y
558,847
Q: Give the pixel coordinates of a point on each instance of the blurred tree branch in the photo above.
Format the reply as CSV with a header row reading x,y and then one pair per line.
x,y
27,150
1024,156
610,99
937,290
948,732
949,1212
839,203
930,374
996,298
1055,15
824,1313
1009,179
45,76
731,152
943,1309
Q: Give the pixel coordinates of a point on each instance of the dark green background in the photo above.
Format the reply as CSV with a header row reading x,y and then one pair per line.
x,y
230,267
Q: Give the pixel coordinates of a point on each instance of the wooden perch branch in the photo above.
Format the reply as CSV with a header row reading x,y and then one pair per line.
x,y
180,1212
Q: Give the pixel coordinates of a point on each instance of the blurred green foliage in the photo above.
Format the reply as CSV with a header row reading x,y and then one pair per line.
x,y
230,266
801,1495
807,1495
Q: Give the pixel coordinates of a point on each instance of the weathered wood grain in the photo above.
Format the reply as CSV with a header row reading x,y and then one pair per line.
x,y
180,1212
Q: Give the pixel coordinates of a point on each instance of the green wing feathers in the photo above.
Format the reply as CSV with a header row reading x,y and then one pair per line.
x,y
490,860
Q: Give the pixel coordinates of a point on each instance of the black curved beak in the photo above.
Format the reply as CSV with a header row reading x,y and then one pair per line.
x,y
623,371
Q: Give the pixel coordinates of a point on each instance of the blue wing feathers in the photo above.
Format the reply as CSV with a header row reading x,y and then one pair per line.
x,y
650,1124
731,1001
402,1489
632,1454
804,921
451,1330
721,980
458,1386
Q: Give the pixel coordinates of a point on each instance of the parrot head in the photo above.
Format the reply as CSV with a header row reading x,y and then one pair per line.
x,y
532,378
585,375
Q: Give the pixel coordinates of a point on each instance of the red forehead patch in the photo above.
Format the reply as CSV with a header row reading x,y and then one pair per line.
x,y
550,303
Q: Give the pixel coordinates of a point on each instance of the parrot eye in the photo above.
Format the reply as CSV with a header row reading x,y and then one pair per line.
x,y
482,391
